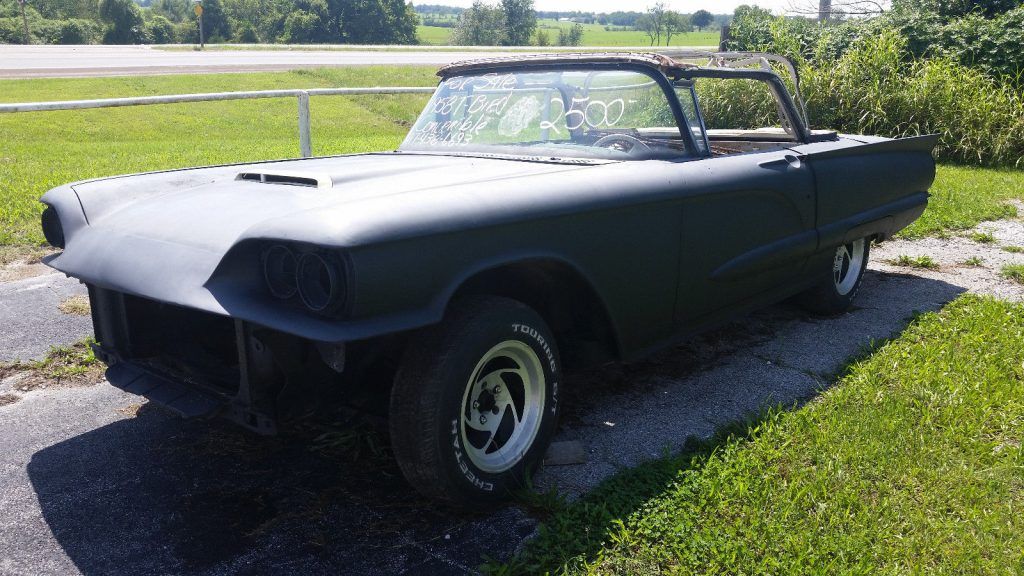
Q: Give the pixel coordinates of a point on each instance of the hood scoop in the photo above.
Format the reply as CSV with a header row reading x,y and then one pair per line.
x,y
308,179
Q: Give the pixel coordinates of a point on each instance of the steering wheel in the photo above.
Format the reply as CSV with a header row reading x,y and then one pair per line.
x,y
615,141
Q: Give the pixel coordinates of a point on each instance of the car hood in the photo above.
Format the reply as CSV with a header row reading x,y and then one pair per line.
x,y
163,235
212,208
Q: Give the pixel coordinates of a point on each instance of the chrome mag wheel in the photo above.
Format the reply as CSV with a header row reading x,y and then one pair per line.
x,y
847,266
503,406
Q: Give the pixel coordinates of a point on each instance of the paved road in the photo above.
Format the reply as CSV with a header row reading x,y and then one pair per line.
x,y
70,61
93,484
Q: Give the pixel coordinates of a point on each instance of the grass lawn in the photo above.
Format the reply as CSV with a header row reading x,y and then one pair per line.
x,y
964,196
911,463
433,35
593,35
41,150
596,35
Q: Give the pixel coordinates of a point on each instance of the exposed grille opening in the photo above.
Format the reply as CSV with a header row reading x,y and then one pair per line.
x,y
197,347
308,180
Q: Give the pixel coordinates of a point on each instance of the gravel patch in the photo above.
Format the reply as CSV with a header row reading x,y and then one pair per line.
x,y
956,257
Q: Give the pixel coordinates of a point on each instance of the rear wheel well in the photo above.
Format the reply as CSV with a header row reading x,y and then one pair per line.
x,y
563,297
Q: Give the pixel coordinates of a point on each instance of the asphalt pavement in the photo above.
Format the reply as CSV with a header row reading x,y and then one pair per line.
x,y
30,321
17,61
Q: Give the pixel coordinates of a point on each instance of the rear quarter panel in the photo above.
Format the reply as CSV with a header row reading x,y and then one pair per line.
x,y
869,188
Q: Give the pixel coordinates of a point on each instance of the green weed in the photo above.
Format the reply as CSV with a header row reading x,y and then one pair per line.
x,y
922,262
1013,272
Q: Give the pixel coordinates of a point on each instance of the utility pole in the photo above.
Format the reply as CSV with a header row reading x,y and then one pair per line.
x,y
824,10
199,12
24,21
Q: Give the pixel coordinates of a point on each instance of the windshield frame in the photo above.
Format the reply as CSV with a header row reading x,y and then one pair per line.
x,y
693,151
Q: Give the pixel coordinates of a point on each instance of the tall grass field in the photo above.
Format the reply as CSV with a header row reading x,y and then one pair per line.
x,y
41,150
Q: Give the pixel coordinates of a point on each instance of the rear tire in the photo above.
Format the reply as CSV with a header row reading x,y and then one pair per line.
x,y
475,401
839,285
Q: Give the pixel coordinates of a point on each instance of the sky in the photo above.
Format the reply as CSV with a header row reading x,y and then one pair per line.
x,y
685,6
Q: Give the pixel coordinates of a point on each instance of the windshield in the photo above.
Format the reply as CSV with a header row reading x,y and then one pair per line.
x,y
601,114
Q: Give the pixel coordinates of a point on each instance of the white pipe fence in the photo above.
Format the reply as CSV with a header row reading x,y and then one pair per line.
x,y
305,137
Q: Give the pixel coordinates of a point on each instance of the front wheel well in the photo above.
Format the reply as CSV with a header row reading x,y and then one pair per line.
x,y
563,297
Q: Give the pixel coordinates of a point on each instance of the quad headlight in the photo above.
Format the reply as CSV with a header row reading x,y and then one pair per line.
x,y
279,266
317,282
53,230
316,278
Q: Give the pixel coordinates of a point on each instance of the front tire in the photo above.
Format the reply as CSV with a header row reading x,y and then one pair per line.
x,y
839,285
475,401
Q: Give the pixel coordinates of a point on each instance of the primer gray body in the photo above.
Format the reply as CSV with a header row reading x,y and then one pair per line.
x,y
666,247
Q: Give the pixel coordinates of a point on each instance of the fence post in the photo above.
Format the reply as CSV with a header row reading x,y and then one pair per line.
x,y
305,139
723,39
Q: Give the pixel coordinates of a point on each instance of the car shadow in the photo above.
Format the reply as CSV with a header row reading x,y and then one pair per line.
x,y
154,494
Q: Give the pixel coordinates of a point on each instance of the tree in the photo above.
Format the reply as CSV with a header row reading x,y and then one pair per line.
x,y
374,21
24,21
310,23
825,10
173,10
160,30
948,10
649,26
124,21
480,25
520,21
654,23
543,38
675,23
573,36
216,24
246,34
265,17
701,19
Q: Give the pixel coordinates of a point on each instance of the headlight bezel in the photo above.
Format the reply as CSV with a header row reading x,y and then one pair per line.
x,y
279,271
321,277
53,228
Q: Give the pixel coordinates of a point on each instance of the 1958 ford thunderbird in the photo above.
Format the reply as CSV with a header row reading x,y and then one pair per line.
x,y
544,213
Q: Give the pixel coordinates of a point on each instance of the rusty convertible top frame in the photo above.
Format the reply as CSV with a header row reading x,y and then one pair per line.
x,y
666,61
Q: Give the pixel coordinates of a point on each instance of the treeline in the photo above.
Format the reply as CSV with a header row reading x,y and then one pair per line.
x,y
621,19
514,22
174,21
922,67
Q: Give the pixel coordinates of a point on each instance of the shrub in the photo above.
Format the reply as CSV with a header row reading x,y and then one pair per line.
x,y
874,88
45,31
160,30
994,45
186,32
247,34
79,31
125,23
11,31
